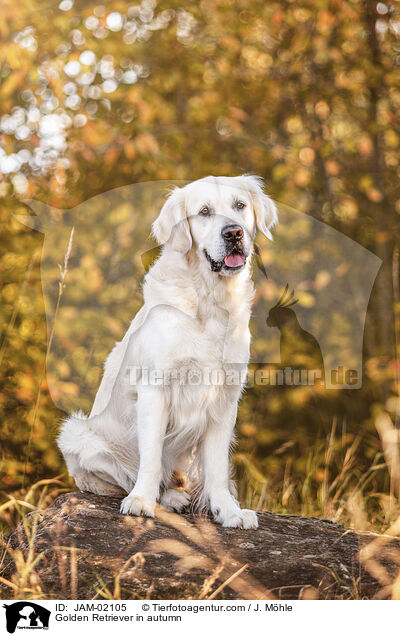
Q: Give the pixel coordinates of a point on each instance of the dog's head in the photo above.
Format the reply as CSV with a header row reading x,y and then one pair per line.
x,y
218,217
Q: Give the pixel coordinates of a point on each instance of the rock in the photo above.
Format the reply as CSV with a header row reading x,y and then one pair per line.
x,y
90,550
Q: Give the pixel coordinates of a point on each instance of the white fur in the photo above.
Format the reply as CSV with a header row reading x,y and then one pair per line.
x,y
138,437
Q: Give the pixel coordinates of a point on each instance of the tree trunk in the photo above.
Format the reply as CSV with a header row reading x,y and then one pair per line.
x,y
91,550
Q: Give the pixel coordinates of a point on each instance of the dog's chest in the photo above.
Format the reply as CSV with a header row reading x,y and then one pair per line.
x,y
204,385
198,396
213,338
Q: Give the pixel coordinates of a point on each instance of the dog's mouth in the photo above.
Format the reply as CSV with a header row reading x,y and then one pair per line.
x,y
234,261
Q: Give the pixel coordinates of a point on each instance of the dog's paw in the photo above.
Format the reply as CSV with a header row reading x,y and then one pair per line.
x,y
246,519
88,482
175,499
138,506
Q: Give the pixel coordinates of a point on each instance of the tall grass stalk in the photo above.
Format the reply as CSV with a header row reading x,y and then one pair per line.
x,y
61,286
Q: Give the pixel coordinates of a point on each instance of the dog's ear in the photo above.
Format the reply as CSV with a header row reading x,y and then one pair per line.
x,y
264,208
172,224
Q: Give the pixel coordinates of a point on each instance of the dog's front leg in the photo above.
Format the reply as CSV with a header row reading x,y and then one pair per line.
x,y
152,419
215,460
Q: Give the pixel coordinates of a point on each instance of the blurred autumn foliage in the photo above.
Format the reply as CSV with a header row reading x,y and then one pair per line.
x,y
304,93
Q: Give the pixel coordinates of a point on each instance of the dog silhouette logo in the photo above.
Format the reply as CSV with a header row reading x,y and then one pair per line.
x,y
26,615
97,253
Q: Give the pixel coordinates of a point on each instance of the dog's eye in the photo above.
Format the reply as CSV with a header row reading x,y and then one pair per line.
x,y
240,205
205,210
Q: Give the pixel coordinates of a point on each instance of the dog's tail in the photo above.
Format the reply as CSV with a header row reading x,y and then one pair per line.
x,y
93,460
70,439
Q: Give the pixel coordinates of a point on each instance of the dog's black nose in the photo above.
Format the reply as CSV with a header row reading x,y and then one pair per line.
x,y
232,232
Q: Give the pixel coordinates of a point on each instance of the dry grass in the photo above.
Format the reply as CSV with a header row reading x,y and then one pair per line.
x,y
25,582
332,486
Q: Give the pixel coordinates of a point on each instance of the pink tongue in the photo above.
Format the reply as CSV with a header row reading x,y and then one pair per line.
x,y
234,260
